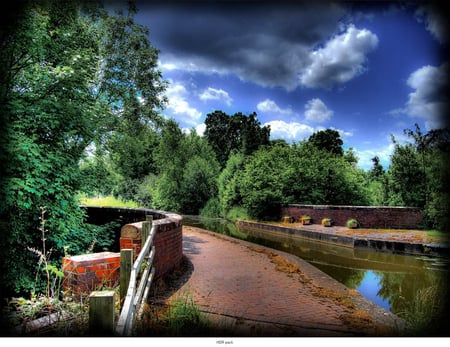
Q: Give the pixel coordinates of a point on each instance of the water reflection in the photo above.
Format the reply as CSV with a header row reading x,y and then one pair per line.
x,y
395,282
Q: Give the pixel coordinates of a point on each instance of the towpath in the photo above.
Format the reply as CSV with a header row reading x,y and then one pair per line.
x,y
255,291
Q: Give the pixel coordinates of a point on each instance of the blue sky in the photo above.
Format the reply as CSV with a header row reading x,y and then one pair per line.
x,y
367,70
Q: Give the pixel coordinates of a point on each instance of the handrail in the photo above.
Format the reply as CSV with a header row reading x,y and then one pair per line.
x,y
134,298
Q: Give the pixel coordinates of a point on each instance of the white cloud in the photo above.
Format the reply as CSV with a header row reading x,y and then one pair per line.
x,y
429,99
216,94
289,131
341,59
316,111
179,107
270,106
383,153
200,129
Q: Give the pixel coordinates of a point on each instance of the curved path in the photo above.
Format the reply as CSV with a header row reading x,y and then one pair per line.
x,y
256,291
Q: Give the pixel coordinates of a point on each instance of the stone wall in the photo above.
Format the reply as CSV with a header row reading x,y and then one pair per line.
x,y
367,216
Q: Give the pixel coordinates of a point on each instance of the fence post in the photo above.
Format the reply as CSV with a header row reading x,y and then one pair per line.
x,y
146,227
101,313
126,262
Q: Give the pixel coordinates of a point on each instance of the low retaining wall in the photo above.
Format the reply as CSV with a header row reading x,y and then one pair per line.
x,y
367,216
88,272
351,242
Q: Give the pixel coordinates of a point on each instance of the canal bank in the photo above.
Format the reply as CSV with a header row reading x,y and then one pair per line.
x,y
252,290
399,283
408,243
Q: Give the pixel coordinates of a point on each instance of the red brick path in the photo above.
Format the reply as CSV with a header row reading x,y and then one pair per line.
x,y
232,280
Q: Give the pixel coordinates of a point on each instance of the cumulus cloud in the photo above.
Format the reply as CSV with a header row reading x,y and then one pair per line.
x,y
429,98
216,94
270,44
289,131
341,59
383,153
270,106
316,111
179,107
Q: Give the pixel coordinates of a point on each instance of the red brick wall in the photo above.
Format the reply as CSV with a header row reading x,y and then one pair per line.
x,y
367,216
168,242
169,250
87,272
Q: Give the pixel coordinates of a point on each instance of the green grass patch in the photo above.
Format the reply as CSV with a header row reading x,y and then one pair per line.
x,y
106,201
237,213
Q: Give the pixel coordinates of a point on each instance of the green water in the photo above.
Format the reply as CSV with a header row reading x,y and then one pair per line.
x,y
398,283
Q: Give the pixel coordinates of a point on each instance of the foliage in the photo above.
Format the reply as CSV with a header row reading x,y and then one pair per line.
x,y
237,213
328,140
419,172
299,173
211,208
181,317
426,316
227,134
327,221
187,170
228,183
352,223
108,201
71,75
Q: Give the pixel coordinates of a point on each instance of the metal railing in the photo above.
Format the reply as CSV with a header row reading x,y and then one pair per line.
x,y
140,279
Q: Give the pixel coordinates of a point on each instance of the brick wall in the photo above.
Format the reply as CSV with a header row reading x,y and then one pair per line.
x,y
168,242
367,216
87,272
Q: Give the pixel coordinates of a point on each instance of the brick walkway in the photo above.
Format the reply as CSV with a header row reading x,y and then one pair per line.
x,y
237,285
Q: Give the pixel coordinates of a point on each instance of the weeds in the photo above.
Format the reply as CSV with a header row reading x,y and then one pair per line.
x,y
424,315
179,317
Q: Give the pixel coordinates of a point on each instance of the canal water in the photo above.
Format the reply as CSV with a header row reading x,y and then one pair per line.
x,y
402,284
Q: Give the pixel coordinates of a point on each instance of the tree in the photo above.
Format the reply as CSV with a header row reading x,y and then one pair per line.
x,y
133,85
51,116
407,176
377,170
70,74
241,133
228,183
328,140
187,169
301,173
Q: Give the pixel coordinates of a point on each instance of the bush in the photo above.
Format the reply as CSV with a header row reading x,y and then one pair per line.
x,y
211,209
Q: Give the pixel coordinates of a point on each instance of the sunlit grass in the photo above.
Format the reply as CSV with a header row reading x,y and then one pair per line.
x,y
106,201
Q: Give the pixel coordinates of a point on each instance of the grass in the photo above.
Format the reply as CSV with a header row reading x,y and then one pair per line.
x,y
106,201
427,315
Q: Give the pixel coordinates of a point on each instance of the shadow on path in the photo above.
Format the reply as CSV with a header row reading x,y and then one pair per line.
x,y
189,245
170,284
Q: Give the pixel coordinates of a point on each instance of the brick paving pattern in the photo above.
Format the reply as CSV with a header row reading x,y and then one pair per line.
x,y
238,280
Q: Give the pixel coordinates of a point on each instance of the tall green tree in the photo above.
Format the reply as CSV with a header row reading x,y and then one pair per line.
x,y
51,116
329,140
70,74
300,173
234,133
187,169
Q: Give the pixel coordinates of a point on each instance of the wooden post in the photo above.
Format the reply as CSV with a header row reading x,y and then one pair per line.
x,y
101,313
149,218
146,227
126,262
